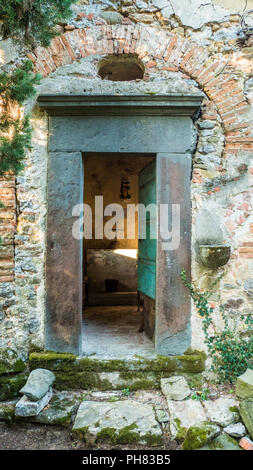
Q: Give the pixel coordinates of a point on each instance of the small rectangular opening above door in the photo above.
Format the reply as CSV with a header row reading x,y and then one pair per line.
x,y
118,307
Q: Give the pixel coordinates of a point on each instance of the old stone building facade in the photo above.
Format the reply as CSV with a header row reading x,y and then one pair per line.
x,y
186,48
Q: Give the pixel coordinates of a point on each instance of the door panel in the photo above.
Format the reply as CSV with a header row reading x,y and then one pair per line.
x,y
147,246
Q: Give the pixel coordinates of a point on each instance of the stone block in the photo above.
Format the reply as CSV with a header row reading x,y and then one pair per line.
x,y
175,388
25,407
184,414
59,411
236,430
38,384
221,411
246,412
244,385
222,442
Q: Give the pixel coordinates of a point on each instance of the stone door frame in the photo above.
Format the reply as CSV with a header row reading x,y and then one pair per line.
x,y
160,125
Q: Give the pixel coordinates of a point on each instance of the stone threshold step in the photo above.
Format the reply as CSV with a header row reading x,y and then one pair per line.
x,y
86,373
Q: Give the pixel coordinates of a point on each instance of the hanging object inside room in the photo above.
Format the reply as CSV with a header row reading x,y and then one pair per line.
x,y
124,189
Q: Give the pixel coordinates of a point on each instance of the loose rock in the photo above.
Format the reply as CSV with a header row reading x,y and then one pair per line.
x,y
25,407
38,384
175,388
236,430
222,442
222,411
59,411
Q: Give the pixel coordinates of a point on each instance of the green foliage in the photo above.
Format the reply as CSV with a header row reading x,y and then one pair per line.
x,y
200,395
19,84
231,352
13,150
125,392
15,88
35,18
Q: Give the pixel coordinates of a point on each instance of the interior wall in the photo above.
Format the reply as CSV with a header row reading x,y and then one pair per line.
x,y
103,174
106,259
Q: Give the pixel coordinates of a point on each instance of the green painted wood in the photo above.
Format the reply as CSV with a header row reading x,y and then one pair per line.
x,y
147,246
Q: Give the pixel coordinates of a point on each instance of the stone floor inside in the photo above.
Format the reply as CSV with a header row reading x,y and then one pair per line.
x,y
113,332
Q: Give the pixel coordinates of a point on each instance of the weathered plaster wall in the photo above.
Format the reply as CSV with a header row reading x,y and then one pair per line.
x,y
185,46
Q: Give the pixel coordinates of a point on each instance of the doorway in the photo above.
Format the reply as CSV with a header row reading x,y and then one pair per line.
x,y
143,125
118,289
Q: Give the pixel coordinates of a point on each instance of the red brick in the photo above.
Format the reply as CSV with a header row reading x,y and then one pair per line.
x,y
66,43
151,63
246,443
170,47
69,27
7,278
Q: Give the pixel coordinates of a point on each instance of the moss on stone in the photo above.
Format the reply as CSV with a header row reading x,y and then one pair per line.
x,y
140,380
181,430
7,411
50,360
69,362
10,362
234,409
80,433
124,436
222,442
192,361
195,438
11,384
194,380
106,435
199,435
153,440
127,435
84,373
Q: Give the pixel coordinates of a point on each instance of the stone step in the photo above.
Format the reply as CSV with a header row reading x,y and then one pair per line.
x,y
99,373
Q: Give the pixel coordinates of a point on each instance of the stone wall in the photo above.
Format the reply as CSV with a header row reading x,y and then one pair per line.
x,y
184,46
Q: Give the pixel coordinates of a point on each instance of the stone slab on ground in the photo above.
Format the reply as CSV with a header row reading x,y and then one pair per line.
x,y
222,411
246,412
184,414
59,411
25,407
199,435
175,388
120,422
38,384
244,385
222,442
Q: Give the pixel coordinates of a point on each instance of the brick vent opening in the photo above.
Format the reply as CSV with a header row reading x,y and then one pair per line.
x,y
120,68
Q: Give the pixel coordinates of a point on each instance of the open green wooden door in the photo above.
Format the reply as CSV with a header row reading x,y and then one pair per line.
x,y
147,225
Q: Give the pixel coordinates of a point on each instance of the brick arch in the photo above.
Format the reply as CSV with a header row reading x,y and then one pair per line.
x,y
214,76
